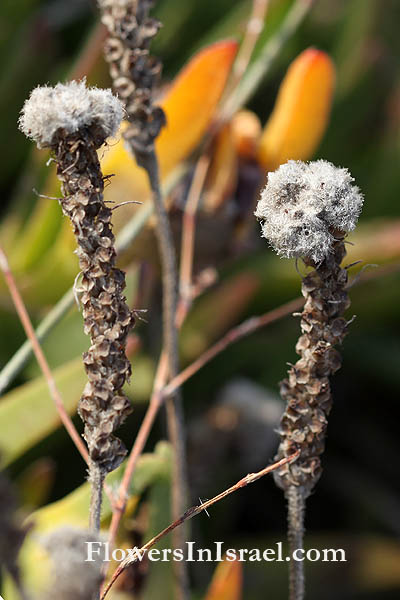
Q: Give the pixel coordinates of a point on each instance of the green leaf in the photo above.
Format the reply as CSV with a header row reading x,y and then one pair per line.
x,y
73,511
28,413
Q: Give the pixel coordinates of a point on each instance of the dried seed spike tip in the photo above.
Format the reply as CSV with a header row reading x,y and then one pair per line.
x,y
69,107
304,205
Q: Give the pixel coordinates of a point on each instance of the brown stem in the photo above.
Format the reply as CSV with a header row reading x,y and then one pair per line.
x,y
242,330
160,391
192,512
31,334
189,228
259,68
138,447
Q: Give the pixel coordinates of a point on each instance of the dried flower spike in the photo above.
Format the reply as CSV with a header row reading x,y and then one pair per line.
x,y
135,73
304,204
307,209
74,122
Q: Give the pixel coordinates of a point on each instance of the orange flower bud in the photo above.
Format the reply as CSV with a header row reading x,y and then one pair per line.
x,y
246,131
300,116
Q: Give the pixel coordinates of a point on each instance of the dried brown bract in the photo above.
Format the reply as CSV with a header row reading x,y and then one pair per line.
x,y
107,318
75,123
307,390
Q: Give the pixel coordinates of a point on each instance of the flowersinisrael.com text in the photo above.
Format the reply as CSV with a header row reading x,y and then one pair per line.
x,y
216,554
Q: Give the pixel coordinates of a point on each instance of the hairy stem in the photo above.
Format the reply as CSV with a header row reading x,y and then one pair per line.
x,y
96,480
296,511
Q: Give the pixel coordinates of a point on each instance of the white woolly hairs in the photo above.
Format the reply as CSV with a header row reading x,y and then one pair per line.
x,y
302,206
73,575
69,107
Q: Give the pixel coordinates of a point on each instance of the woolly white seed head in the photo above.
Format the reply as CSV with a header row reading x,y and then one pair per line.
x,y
303,203
73,576
69,106
114,3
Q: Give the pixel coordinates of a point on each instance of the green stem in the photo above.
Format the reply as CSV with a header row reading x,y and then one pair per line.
x,y
260,67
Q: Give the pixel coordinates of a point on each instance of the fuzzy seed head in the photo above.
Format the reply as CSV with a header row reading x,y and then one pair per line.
x,y
69,107
115,3
304,205
73,576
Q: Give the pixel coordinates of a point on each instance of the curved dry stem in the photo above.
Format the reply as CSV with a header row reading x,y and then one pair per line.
x,y
192,512
40,357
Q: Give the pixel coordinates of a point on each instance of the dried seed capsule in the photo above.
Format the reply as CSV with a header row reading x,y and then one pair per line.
x,y
134,71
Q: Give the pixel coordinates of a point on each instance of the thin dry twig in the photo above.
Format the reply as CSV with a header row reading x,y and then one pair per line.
x,y
23,354
43,364
194,511
254,28
30,332
242,330
138,446
156,401
159,393
189,227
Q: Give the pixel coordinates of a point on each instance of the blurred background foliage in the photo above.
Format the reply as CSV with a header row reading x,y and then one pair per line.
x,y
231,404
